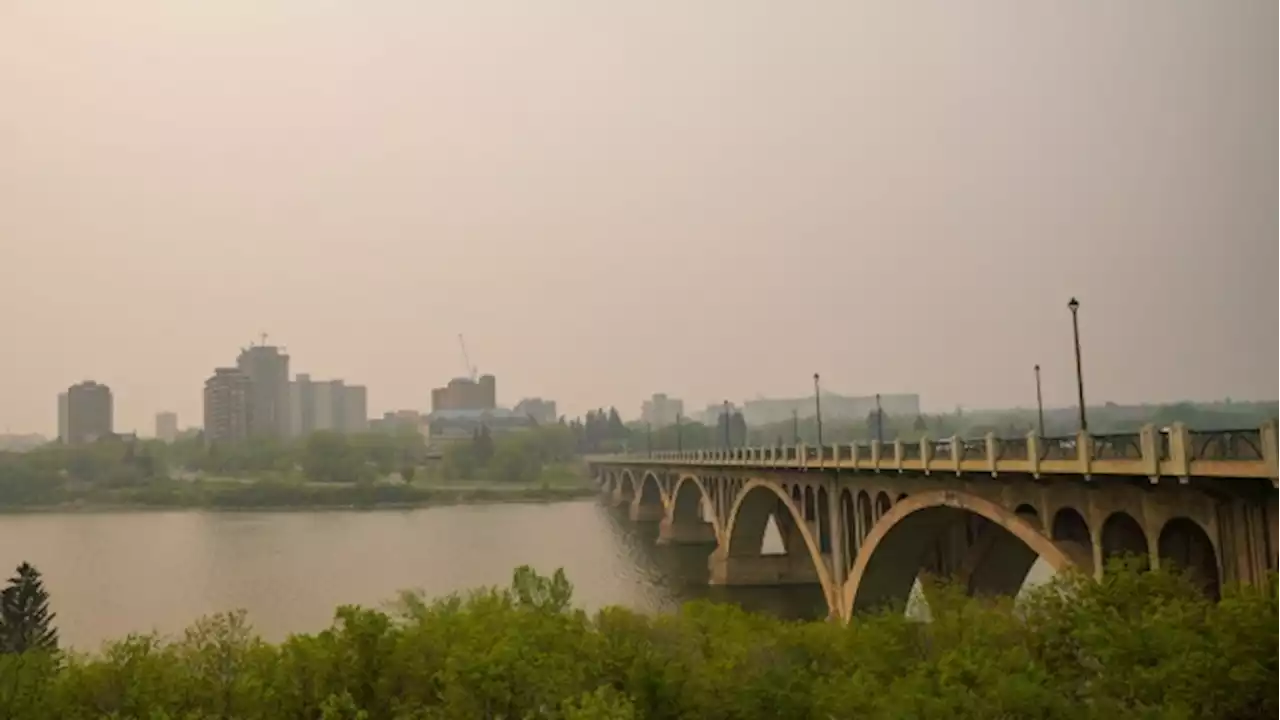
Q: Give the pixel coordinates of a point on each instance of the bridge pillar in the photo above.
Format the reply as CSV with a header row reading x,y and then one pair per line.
x,y
619,495
687,532
763,570
643,512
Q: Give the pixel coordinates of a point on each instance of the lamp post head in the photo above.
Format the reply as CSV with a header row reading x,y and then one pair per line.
x,y
1074,305
1037,368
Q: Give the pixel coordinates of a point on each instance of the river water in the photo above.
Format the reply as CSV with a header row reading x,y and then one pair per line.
x,y
110,574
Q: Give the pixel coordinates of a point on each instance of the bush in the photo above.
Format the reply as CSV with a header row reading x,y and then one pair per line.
x,y
1135,645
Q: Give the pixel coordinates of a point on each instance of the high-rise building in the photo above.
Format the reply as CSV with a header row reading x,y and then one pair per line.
x,y
89,412
268,371
542,411
166,426
326,405
302,406
661,410
466,394
228,407
64,436
356,409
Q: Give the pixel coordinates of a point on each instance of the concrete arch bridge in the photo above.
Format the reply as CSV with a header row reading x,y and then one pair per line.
x,y
863,521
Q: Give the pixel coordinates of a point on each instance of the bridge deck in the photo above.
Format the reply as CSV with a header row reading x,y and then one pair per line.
x,y
1178,452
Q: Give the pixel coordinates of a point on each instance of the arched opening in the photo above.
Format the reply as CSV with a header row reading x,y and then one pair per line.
x,y
1028,513
626,487
824,521
866,515
1122,536
809,508
689,504
847,522
882,504
797,496
758,505
1185,546
901,497
650,490
1071,533
997,561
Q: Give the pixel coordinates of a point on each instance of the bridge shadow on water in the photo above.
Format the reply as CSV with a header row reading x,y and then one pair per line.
x,y
679,574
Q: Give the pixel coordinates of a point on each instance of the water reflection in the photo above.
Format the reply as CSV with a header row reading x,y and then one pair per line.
x,y
680,574
111,574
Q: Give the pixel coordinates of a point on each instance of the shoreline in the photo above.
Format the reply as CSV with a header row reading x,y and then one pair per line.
x,y
452,497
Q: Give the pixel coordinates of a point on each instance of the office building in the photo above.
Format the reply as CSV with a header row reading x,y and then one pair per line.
x,y
89,412
711,414
166,426
356,409
541,411
661,410
834,407
326,405
397,422
228,407
267,369
466,394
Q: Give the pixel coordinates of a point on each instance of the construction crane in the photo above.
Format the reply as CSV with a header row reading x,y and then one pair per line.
x,y
466,359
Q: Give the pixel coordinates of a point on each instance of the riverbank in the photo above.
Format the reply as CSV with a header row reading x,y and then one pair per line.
x,y
235,495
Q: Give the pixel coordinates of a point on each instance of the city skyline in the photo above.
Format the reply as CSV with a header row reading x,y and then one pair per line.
x,y
604,222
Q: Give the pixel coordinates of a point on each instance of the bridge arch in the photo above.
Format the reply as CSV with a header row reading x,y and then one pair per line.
x,y
882,504
688,498
891,557
1123,535
1184,545
650,490
866,518
625,483
747,519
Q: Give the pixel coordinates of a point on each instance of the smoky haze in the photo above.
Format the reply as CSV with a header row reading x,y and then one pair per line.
x,y
711,199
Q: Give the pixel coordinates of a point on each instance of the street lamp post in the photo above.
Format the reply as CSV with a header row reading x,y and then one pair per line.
x,y
679,439
817,406
1074,306
648,431
1039,403
795,426
879,421
727,442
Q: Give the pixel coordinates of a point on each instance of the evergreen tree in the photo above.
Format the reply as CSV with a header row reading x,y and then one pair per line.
x,y
24,614
616,431
483,445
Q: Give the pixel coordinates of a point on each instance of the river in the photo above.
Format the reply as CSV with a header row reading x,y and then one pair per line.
x,y
113,573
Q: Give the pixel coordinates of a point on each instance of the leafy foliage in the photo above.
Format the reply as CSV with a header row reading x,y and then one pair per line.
x,y
1135,645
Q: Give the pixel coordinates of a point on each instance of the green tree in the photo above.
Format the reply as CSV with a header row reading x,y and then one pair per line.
x,y
25,619
329,457
482,445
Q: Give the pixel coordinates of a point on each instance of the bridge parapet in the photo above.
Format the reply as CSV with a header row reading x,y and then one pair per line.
x,y
1171,452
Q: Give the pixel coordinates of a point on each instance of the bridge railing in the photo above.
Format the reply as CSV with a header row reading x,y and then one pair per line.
x,y
1166,452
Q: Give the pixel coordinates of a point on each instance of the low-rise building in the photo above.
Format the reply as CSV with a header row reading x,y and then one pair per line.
x,y
452,425
166,426
541,411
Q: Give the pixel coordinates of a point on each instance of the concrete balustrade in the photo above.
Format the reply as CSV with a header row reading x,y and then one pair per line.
x,y
1175,452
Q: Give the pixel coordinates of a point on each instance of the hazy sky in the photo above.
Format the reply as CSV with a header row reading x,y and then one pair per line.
x,y
712,198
